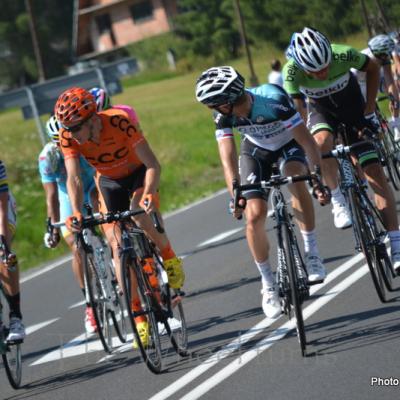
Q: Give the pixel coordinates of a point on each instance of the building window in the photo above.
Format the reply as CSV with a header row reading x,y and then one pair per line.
x,y
105,27
142,11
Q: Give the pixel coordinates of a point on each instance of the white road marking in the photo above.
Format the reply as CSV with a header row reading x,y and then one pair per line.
x,y
33,328
80,303
239,342
220,237
42,271
62,260
272,338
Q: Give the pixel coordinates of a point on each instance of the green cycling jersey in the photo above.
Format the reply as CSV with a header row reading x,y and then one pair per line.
x,y
297,81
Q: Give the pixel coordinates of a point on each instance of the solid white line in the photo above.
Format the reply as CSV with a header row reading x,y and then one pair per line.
x,y
61,261
33,328
237,343
220,237
276,335
42,271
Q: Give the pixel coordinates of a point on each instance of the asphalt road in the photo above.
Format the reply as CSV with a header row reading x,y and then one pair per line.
x,y
236,353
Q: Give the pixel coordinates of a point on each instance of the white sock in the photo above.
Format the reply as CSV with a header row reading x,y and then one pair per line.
x,y
394,237
337,196
310,242
267,278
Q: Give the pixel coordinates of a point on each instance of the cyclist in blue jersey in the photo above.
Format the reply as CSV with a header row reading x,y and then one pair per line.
x,y
54,176
271,130
9,271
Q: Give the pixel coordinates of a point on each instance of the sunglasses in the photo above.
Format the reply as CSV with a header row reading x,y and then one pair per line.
x,y
76,128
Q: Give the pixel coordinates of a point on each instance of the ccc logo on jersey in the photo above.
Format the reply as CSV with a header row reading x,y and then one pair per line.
x,y
123,124
107,158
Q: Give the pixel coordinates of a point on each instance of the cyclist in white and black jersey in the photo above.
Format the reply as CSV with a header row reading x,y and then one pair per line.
x,y
271,131
380,48
321,71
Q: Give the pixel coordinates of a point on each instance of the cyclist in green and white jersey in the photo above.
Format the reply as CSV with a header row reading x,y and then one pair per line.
x,y
321,71
379,49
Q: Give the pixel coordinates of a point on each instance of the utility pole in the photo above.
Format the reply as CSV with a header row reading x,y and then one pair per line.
x,y
253,77
366,19
35,42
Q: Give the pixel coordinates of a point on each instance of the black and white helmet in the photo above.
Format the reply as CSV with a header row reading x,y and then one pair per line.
x,y
311,50
219,85
381,44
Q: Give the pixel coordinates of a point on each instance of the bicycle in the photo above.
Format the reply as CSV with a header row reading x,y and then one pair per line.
x,y
101,286
11,352
291,273
388,148
368,228
159,305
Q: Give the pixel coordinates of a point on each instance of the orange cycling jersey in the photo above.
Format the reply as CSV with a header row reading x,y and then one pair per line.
x,y
115,155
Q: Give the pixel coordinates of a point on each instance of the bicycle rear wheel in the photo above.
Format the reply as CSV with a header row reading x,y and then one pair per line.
x,y
151,352
295,301
367,232
97,302
12,359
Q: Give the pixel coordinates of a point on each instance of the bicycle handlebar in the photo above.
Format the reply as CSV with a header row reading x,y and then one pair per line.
x,y
99,219
340,150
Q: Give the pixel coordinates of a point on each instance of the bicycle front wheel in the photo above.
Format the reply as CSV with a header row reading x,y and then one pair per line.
x,y
12,360
295,298
97,302
151,351
390,152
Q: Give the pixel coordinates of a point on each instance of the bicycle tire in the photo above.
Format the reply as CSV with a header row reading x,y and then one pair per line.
x,y
98,304
12,359
174,319
151,354
119,315
391,164
288,243
365,228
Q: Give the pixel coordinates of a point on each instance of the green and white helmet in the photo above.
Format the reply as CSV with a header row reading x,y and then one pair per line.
x,y
381,44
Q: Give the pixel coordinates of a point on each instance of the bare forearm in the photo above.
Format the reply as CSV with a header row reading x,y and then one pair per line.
x,y
152,179
75,192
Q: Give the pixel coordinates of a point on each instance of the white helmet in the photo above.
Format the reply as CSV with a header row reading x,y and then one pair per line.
x,y
219,85
310,49
52,128
381,44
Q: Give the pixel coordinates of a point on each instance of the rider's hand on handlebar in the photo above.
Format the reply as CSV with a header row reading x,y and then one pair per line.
x,y
147,203
321,192
51,240
372,122
74,221
238,211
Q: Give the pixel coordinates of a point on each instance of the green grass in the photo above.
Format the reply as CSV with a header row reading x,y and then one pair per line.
x,y
180,131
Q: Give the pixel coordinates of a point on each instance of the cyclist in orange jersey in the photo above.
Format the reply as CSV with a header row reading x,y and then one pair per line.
x,y
127,174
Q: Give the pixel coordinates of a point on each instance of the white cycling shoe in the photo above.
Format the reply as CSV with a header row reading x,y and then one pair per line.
x,y
270,302
315,269
341,216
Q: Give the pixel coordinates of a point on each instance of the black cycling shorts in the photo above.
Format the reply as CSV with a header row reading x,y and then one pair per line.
x,y
319,120
117,193
255,163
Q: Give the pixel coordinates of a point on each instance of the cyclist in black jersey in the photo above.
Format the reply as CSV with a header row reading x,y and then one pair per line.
x,y
321,71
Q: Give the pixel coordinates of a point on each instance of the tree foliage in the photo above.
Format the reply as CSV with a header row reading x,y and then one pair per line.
x,y
54,25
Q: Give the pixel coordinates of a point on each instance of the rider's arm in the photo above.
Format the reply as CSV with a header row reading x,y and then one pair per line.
x,y
304,138
53,209
153,168
299,104
391,87
74,183
372,75
229,160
